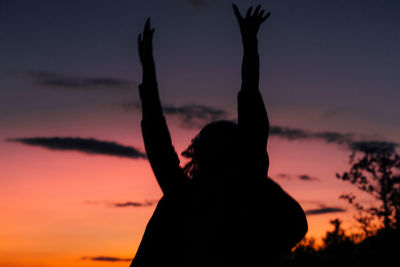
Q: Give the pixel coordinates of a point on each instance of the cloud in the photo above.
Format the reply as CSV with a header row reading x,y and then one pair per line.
x,y
284,176
195,115
133,204
300,134
349,140
303,177
306,177
324,210
85,145
190,115
105,258
56,80
374,146
289,133
335,137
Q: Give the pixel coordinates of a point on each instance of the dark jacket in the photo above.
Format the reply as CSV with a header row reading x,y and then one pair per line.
x,y
258,221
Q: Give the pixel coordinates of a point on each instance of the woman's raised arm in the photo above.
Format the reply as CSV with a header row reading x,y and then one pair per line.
x,y
252,115
157,140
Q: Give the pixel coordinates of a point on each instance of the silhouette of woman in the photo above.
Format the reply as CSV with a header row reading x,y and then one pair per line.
x,y
221,209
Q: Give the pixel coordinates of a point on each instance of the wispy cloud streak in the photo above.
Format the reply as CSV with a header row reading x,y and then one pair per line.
x,y
351,141
190,115
57,80
373,146
324,210
125,204
133,204
195,115
85,145
305,177
302,177
106,259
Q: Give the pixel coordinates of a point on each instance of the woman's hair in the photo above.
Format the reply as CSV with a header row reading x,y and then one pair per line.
x,y
216,143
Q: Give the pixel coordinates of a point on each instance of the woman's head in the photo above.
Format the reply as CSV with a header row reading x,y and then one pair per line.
x,y
213,150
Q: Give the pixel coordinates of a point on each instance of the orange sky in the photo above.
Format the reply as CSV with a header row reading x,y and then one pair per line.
x,y
56,208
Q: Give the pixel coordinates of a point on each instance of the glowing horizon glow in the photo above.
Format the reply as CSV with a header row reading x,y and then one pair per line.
x,y
61,200
68,68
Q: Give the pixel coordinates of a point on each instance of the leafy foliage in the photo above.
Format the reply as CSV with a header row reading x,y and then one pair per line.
x,y
376,172
337,237
339,249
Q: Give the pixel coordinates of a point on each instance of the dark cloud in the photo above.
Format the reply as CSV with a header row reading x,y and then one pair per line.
x,y
284,176
105,258
349,140
195,115
190,115
133,204
303,177
289,133
306,177
374,146
324,210
56,80
300,134
89,145
335,137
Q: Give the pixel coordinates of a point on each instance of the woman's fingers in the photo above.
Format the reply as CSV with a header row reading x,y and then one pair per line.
x,y
265,17
146,31
257,10
260,15
147,36
145,42
147,25
248,14
237,12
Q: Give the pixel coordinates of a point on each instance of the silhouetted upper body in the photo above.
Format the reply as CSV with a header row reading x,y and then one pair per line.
x,y
227,212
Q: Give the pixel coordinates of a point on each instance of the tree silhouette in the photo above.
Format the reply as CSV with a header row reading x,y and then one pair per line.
x,y
337,237
306,246
375,171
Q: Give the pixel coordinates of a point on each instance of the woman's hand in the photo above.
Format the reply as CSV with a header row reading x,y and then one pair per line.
x,y
250,24
145,42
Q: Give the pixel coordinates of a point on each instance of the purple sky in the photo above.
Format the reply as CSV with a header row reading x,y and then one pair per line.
x,y
335,62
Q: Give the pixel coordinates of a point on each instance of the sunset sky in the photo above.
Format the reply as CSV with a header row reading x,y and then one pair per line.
x,y
75,187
